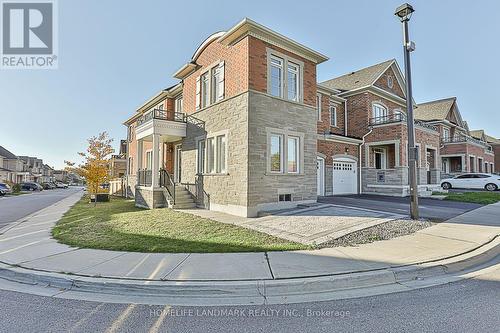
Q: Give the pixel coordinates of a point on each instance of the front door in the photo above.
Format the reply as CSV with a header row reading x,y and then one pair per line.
x,y
320,166
177,164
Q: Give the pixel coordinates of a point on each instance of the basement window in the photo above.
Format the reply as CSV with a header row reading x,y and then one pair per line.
x,y
285,197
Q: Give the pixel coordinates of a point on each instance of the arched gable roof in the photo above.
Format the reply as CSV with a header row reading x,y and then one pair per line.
x,y
205,43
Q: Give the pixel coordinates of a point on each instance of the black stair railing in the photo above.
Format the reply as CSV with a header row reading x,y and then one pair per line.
x,y
167,182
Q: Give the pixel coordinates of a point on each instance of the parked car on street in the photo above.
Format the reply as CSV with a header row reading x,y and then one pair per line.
x,y
61,185
48,186
31,187
477,181
4,189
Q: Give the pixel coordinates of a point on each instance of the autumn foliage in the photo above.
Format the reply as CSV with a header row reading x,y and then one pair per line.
x,y
96,162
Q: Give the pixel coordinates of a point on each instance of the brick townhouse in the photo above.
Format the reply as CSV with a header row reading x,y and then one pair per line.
x,y
495,146
372,134
460,151
247,129
237,133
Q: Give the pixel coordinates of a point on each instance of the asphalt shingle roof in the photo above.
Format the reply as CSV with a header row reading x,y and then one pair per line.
x,y
360,78
7,154
435,110
478,134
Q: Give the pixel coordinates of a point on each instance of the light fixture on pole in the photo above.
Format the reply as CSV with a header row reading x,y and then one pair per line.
x,y
404,13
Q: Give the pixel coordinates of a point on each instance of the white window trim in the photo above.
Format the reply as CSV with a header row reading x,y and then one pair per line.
x,y
179,102
214,136
380,105
197,140
318,100
209,72
284,158
297,153
333,115
282,150
284,81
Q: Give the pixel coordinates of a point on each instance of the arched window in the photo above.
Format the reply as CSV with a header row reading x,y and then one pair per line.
x,y
379,113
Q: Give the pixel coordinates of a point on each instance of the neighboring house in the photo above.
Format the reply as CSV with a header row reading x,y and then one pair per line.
x,y
238,131
34,166
13,169
47,174
495,146
117,166
460,151
118,163
370,138
60,175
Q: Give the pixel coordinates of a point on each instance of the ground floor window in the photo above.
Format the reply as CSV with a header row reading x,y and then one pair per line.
x,y
284,152
212,154
201,156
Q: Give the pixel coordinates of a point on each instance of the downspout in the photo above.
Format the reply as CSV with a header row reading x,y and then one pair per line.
x,y
360,161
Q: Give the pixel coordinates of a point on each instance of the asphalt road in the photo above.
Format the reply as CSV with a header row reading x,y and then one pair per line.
x,y
438,210
13,208
465,306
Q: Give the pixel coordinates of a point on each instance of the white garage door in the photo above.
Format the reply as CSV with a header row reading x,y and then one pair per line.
x,y
345,179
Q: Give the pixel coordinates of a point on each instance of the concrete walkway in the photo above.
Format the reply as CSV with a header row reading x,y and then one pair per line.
x,y
29,245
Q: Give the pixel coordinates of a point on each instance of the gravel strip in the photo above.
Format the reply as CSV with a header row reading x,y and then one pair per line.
x,y
384,231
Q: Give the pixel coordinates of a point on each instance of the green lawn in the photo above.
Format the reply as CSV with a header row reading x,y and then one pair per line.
x,y
484,198
119,225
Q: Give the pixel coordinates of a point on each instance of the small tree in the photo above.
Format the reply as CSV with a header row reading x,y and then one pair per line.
x,y
96,162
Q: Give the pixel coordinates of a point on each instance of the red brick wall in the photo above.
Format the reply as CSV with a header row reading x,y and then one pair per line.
x,y
324,124
496,150
235,60
330,148
258,69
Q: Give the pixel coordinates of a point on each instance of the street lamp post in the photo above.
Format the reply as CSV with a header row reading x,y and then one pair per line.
x,y
404,12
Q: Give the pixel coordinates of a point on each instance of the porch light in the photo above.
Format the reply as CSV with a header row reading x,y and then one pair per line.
x,y
346,150
404,12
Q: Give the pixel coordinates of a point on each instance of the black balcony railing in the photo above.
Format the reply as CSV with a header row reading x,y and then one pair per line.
x,y
464,138
144,177
398,118
388,119
163,115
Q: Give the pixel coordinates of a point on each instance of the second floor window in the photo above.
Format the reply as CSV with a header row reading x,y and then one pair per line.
x,y
446,133
284,77
379,113
293,82
276,76
178,104
333,116
210,86
205,90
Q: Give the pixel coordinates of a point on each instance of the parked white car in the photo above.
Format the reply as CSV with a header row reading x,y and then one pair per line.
x,y
473,181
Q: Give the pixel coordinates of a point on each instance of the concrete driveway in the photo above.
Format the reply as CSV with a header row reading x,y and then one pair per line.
x,y
436,210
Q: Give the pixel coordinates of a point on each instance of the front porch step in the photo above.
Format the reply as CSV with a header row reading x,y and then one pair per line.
x,y
184,205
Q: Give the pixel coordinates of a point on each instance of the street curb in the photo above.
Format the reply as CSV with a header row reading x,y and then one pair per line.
x,y
250,292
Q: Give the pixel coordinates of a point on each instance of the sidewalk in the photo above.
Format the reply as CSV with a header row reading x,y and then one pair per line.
x,y
27,248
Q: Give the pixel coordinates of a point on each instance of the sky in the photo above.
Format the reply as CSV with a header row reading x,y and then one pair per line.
x,y
115,54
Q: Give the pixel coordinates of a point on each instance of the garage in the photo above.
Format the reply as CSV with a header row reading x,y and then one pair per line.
x,y
345,176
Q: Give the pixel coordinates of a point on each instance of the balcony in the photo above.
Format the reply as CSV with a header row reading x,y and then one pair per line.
x,y
463,139
170,125
398,118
